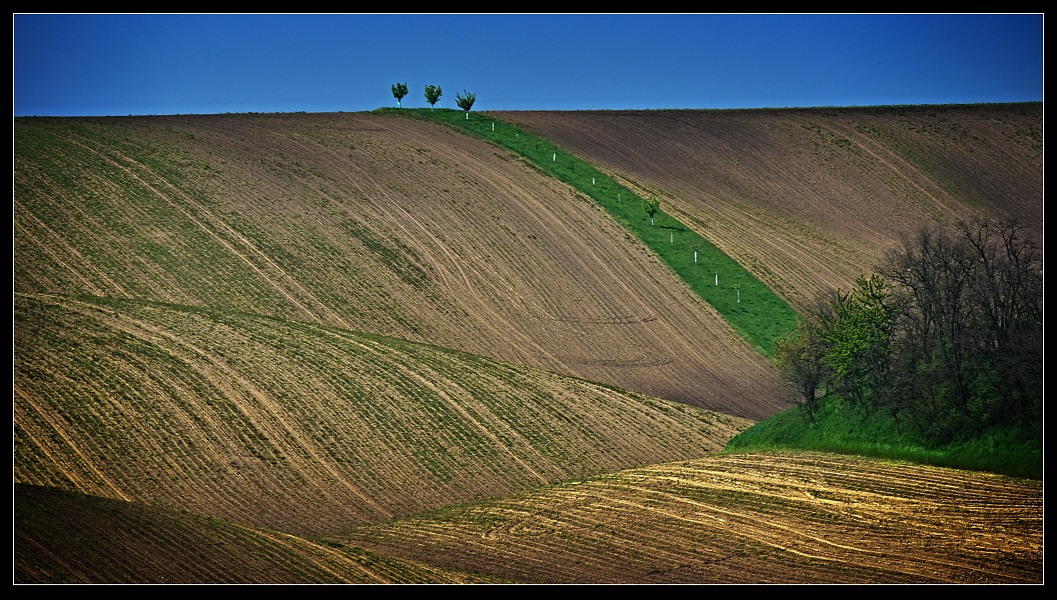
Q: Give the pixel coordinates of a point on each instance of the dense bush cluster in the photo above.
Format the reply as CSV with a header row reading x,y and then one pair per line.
x,y
946,336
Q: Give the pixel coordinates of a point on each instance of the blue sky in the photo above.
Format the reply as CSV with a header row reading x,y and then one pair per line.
x,y
121,64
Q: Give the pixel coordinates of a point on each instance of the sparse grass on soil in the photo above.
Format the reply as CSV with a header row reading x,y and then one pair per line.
x,y
305,428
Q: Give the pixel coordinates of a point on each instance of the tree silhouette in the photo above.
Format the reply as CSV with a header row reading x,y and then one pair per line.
x,y
399,91
433,93
968,348
801,358
947,337
465,101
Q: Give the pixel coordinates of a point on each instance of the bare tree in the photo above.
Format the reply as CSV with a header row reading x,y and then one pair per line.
x,y
800,358
969,331
947,338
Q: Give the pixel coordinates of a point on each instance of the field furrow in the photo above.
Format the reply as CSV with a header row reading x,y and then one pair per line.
x,y
370,348
197,550
716,520
306,429
808,199
377,224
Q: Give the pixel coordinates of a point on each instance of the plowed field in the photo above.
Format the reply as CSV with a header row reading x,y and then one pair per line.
x,y
753,518
385,225
808,199
361,348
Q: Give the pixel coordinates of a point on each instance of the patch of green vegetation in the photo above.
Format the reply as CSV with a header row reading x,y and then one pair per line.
x,y
844,429
749,306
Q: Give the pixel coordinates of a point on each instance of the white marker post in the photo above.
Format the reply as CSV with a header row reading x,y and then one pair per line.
x,y
717,278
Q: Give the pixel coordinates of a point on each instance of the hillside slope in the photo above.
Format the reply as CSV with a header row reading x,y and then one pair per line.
x,y
737,518
808,199
371,223
740,518
304,428
241,332
64,537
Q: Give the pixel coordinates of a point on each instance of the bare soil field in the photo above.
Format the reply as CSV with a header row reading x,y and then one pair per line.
x,y
308,429
358,348
808,199
384,225
65,537
741,518
729,519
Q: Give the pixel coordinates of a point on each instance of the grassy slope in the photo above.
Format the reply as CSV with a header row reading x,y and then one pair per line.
x,y
837,427
808,199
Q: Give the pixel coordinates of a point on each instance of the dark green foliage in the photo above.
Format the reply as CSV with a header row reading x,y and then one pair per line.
x,y
651,207
947,341
433,93
969,353
857,335
399,91
465,101
873,425
801,360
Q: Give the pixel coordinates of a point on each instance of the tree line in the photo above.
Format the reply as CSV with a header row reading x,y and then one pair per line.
x,y
946,336
433,93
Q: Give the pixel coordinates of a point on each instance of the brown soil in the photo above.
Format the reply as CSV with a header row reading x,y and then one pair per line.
x,y
190,292
380,224
742,518
808,199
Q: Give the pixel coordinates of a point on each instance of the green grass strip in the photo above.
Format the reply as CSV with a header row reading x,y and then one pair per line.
x,y
845,429
749,306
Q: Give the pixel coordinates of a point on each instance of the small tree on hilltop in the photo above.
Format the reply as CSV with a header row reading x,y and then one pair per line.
x,y
399,91
433,93
651,207
465,101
